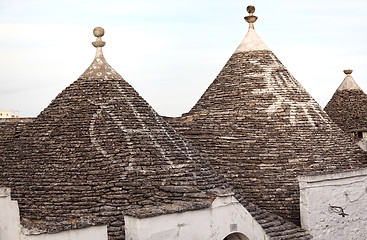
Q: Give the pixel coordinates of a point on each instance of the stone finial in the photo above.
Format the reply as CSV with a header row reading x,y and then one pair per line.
x,y
251,19
99,69
348,82
348,71
252,41
250,9
98,32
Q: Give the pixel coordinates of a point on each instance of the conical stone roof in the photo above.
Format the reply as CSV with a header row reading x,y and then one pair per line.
x,y
262,129
99,150
348,106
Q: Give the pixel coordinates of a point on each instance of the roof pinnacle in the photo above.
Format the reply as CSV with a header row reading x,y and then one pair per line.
x,y
98,32
99,69
348,82
348,71
251,19
252,41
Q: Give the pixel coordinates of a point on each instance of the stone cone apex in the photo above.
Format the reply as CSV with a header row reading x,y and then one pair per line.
x,y
348,82
100,69
262,128
99,145
252,40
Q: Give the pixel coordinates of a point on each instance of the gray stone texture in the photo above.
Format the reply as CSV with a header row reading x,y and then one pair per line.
x,y
348,109
261,129
97,151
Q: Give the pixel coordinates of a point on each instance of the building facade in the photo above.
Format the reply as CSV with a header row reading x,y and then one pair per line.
x,y
8,114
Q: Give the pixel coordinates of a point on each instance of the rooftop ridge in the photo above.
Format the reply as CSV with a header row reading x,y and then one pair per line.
x,y
348,82
252,41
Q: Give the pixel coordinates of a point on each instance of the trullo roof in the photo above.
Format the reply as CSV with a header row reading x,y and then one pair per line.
x,y
262,129
348,106
99,150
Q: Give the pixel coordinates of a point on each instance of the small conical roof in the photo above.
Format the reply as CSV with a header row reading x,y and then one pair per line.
x,y
261,127
99,150
348,106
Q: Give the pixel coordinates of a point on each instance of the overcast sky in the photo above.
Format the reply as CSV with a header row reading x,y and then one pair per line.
x,y
171,50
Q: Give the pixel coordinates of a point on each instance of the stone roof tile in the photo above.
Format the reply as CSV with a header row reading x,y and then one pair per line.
x,y
10,128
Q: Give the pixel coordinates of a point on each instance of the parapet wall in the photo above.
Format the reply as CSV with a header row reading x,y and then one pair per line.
x,y
225,218
10,228
333,206
9,216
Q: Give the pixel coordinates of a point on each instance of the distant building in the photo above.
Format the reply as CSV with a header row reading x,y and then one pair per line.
x,y
348,109
9,114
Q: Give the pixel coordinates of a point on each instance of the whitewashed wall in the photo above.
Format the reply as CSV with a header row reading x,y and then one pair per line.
x,y
10,228
9,216
321,194
225,216
91,233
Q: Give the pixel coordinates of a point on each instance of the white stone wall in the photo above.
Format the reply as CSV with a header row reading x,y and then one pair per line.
x,y
10,228
91,233
324,199
225,216
9,216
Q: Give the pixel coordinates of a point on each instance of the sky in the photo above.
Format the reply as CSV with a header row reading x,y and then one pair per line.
x,y
171,50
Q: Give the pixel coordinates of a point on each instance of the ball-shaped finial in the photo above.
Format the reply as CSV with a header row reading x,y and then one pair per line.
x,y
250,9
98,32
251,19
348,71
